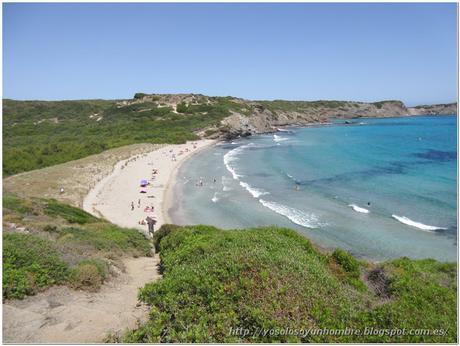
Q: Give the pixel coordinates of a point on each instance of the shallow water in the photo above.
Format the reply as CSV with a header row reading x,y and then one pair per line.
x,y
380,188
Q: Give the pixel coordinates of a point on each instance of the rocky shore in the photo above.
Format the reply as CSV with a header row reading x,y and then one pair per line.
x,y
268,116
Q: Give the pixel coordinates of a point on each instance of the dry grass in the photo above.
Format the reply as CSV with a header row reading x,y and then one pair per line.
x,y
76,177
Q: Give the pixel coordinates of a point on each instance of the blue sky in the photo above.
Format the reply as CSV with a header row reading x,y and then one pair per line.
x,y
363,52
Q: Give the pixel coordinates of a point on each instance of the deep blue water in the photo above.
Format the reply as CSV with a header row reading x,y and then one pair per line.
x,y
320,180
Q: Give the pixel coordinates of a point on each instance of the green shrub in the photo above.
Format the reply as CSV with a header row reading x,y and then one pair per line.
x,y
108,237
30,264
347,261
86,276
181,107
16,204
89,274
138,96
101,265
161,233
71,214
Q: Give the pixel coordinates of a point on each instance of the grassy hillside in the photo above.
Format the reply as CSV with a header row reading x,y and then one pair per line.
x,y
46,243
271,285
38,134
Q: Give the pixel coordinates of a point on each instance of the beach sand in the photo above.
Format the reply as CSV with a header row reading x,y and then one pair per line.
x,y
113,196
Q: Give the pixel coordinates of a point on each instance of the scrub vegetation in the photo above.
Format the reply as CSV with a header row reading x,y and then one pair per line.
x,y
38,134
47,243
251,285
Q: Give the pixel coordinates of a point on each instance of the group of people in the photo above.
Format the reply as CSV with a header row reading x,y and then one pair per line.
x,y
200,182
150,219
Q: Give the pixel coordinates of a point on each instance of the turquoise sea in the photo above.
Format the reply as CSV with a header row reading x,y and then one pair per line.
x,y
379,188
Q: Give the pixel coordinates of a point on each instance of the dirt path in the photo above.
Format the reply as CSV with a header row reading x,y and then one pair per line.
x,y
62,315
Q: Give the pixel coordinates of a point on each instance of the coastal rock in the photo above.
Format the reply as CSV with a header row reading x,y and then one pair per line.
x,y
267,117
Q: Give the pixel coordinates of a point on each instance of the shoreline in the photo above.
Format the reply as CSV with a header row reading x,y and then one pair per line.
x,y
119,198
170,186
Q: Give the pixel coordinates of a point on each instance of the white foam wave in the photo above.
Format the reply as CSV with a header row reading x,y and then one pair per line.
x,y
359,209
283,130
231,157
419,225
215,199
255,192
277,138
297,216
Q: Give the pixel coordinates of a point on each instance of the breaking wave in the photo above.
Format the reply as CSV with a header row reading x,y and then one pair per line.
x,y
231,157
215,199
296,216
277,138
255,192
358,209
419,225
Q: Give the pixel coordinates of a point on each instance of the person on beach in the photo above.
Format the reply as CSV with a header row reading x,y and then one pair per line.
x,y
139,203
132,206
151,224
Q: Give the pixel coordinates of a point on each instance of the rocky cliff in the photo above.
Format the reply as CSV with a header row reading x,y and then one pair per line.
x,y
441,109
267,116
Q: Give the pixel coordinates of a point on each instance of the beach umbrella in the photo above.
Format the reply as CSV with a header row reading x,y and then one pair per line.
x,y
143,191
144,182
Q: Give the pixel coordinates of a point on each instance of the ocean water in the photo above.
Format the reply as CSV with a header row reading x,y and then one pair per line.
x,y
379,188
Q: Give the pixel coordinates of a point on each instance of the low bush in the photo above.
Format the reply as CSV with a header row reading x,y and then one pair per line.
x,y
161,233
347,262
16,204
109,238
29,265
89,275
71,214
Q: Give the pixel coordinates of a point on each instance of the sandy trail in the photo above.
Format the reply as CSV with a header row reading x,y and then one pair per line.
x,y
63,315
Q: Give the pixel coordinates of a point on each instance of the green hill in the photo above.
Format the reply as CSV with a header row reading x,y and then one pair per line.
x,y
272,285
38,134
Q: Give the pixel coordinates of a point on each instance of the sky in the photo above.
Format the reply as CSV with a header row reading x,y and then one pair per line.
x,y
306,51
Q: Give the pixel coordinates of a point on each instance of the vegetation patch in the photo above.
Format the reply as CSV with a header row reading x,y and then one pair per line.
x,y
71,214
44,247
248,285
89,275
29,265
39,134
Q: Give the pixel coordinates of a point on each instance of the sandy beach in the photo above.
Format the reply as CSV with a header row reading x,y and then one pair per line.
x,y
118,197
